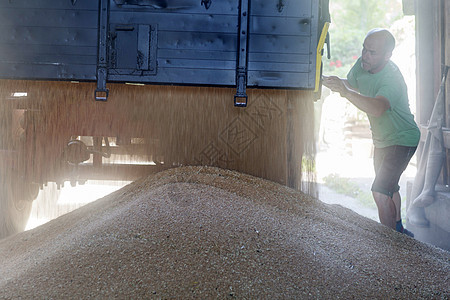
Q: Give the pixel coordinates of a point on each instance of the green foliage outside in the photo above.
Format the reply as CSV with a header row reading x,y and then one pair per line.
x,y
349,188
350,21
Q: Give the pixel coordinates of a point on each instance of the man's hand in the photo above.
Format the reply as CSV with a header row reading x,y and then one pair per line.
x,y
373,106
335,84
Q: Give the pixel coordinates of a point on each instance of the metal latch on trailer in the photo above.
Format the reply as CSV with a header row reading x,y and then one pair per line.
x,y
240,99
101,93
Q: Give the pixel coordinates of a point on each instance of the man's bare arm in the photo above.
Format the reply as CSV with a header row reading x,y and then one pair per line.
x,y
372,106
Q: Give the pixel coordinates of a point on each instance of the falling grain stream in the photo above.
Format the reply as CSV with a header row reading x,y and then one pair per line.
x,y
55,133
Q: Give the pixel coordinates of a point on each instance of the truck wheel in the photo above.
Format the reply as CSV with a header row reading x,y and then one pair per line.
x,y
15,205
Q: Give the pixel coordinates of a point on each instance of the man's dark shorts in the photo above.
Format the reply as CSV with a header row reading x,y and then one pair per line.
x,y
389,163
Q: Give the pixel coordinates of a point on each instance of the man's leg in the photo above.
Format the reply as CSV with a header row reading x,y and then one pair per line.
x,y
389,164
396,198
386,209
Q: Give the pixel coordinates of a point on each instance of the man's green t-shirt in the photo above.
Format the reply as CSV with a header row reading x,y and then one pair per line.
x,y
396,126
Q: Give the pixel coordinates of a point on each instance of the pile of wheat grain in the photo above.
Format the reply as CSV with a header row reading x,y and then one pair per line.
x,y
198,232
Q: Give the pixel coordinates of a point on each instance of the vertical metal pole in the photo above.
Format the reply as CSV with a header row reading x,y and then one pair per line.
x,y
240,99
101,93
425,46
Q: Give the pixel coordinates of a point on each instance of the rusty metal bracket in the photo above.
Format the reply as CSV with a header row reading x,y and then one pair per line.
x,y
240,99
101,93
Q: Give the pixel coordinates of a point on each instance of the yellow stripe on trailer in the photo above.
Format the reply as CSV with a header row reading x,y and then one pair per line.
x,y
323,35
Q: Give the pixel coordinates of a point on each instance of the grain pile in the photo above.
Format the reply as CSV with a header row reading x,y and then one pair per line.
x,y
206,233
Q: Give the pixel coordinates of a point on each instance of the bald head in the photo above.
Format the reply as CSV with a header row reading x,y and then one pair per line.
x,y
384,37
377,50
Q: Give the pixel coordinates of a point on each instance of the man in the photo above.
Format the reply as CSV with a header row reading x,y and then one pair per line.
x,y
376,86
